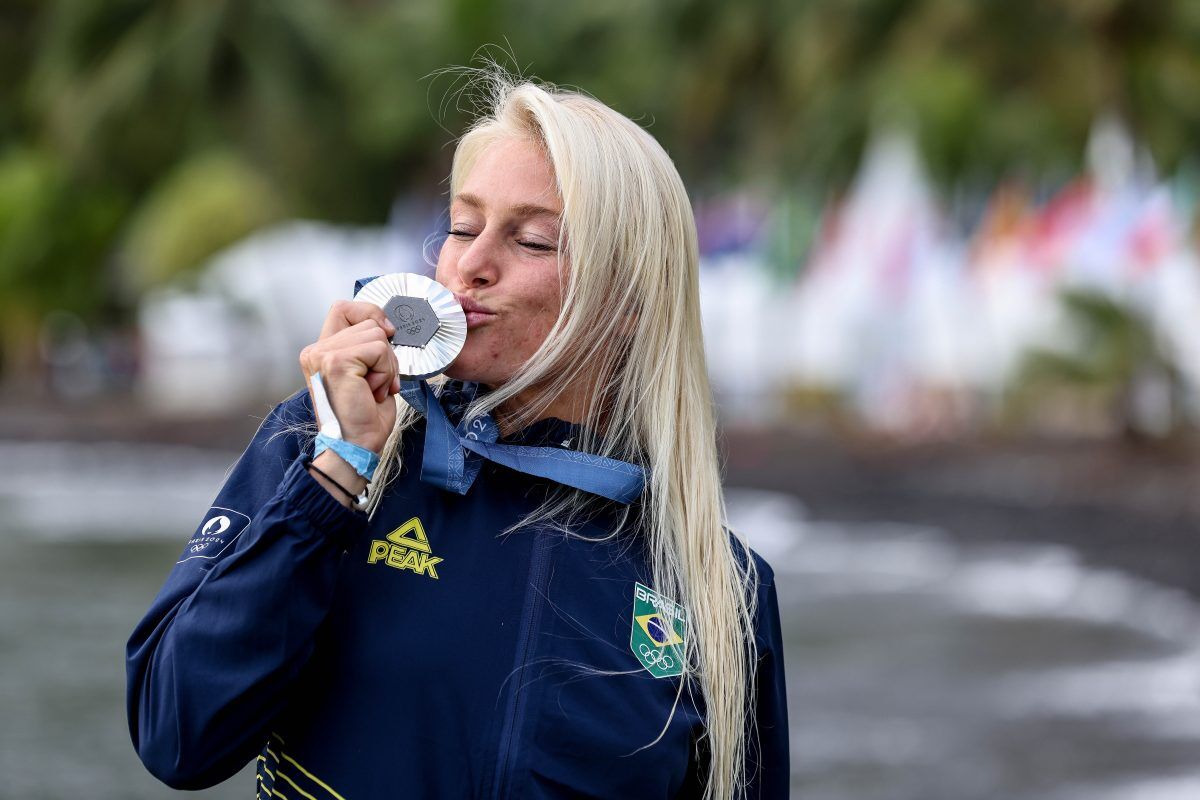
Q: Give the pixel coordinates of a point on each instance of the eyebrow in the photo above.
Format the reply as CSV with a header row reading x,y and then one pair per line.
x,y
521,210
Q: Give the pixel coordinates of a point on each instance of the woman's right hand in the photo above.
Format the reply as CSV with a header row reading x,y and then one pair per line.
x,y
358,369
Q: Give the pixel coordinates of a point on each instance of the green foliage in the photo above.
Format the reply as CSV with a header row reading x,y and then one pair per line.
x,y
1114,348
205,204
1113,344
49,232
327,104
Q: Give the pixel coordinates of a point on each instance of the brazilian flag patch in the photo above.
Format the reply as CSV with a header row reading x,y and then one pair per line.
x,y
658,634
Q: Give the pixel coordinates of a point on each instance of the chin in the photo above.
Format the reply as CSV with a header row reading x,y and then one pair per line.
x,y
462,370
458,373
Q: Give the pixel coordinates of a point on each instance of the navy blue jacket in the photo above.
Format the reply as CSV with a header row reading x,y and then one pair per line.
x,y
416,654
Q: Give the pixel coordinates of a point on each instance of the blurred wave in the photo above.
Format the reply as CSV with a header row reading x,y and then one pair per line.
x,y
110,491
922,667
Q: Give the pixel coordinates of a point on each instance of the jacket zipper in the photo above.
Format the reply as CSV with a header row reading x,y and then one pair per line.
x,y
515,708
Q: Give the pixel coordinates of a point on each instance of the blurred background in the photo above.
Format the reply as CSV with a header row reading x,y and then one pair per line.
x,y
952,304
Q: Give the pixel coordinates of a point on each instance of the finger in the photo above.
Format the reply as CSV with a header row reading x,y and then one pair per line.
x,y
386,377
346,313
362,333
379,383
358,360
376,362
346,371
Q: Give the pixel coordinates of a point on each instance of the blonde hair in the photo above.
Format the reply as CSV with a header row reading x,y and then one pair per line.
x,y
630,326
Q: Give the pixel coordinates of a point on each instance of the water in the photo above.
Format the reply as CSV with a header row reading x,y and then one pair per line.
x,y
917,668
87,536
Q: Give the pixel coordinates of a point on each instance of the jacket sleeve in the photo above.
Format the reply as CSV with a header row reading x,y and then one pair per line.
x,y
768,770
210,665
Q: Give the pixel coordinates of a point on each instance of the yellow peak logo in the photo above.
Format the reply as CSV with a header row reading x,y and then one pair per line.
x,y
407,547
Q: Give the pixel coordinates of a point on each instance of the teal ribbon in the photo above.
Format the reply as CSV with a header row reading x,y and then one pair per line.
x,y
454,454
363,460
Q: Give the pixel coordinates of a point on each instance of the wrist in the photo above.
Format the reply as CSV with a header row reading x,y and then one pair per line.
x,y
345,476
329,423
362,460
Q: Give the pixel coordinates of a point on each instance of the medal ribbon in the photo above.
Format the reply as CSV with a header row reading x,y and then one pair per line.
x,y
455,453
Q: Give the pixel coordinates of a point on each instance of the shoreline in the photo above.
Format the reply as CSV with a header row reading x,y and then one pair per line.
x,y
1122,505
1118,505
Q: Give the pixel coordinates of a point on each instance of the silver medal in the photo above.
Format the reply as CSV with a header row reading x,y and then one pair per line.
x,y
431,327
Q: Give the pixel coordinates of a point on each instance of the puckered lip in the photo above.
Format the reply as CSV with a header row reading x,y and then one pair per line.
x,y
469,305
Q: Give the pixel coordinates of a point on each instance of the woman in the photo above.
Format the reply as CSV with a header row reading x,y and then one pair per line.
x,y
474,630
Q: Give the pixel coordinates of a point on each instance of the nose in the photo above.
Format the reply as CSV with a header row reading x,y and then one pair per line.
x,y
478,265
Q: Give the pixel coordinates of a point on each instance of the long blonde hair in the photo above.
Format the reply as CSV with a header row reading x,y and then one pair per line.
x,y
630,325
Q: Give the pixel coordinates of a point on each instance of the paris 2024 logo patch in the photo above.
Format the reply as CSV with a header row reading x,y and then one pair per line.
x,y
216,533
659,632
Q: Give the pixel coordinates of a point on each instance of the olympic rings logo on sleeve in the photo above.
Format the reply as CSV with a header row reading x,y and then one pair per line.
x,y
221,526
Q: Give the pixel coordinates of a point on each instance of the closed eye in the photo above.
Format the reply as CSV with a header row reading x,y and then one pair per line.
x,y
538,247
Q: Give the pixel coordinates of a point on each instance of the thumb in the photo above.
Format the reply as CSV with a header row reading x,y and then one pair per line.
x,y
378,381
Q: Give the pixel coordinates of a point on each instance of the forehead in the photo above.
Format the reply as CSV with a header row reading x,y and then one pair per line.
x,y
511,176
